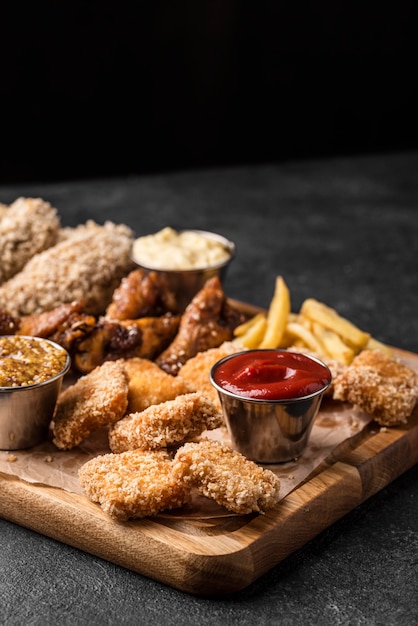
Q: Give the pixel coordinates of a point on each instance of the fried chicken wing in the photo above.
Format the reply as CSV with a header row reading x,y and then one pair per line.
x,y
141,294
165,424
228,477
65,324
149,384
97,399
207,322
111,340
133,484
157,333
380,385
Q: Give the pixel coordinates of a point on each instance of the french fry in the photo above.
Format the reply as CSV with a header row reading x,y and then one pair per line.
x,y
243,328
331,320
374,344
306,336
277,315
254,333
333,345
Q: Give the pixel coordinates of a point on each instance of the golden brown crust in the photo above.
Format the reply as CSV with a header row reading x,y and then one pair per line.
x,y
195,372
141,294
133,484
97,399
165,424
207,322
380,385
149,384
226,476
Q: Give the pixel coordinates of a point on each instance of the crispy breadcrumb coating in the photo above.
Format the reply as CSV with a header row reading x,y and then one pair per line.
x,y
87,264
149,384
27,226
165,424
226,476
380,385
97,399
195,372
133,484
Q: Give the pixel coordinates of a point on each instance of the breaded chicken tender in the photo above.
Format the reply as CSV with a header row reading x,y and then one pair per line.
x,y
165,424
149,384
195,372
380,385
27,226
133,484
97,399
86,265
226,476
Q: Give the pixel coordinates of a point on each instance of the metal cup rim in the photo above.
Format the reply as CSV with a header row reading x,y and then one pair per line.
x,y
228,243
60,374
263,400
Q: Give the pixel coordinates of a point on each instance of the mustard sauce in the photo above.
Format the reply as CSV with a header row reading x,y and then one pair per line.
x,y
29,360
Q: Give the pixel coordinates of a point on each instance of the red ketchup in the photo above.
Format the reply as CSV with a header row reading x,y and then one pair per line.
x,y
271,375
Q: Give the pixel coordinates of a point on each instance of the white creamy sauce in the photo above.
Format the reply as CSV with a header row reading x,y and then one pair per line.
x,y
184,250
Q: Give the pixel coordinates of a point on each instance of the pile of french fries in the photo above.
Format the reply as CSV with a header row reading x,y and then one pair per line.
x,y
317,328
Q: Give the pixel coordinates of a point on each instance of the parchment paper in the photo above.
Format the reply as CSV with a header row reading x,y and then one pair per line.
x,y
46,465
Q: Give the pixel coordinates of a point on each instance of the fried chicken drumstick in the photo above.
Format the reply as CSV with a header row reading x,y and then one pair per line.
x,y
207,322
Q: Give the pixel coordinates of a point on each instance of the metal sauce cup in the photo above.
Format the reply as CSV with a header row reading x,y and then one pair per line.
x,y
269,431
186,283
26,411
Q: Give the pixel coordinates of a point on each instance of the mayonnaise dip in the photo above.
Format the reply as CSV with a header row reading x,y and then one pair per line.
x,y
169,249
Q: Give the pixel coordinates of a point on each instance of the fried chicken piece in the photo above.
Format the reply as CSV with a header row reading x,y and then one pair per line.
x,y
87,264
9,325
380,385
157,333
107,341
27,226
133,484
195,372
97,399
149,384
228,477
141,294
111,340
207,322
65,324
165,424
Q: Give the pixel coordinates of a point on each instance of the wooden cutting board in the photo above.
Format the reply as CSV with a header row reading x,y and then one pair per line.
x,y
221,555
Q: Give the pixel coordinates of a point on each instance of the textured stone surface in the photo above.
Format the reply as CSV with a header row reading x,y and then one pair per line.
x,y
344,231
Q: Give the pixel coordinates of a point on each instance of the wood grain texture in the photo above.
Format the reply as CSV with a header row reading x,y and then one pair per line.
x,y
220,556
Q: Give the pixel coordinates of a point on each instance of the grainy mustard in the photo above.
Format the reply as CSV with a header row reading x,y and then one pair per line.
x,y
169,249
29,360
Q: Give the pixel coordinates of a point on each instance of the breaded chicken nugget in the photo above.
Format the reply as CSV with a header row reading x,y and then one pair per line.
x,y
195,372
133,484
149,384
27,226
97,399
226,476
165,424
380,385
